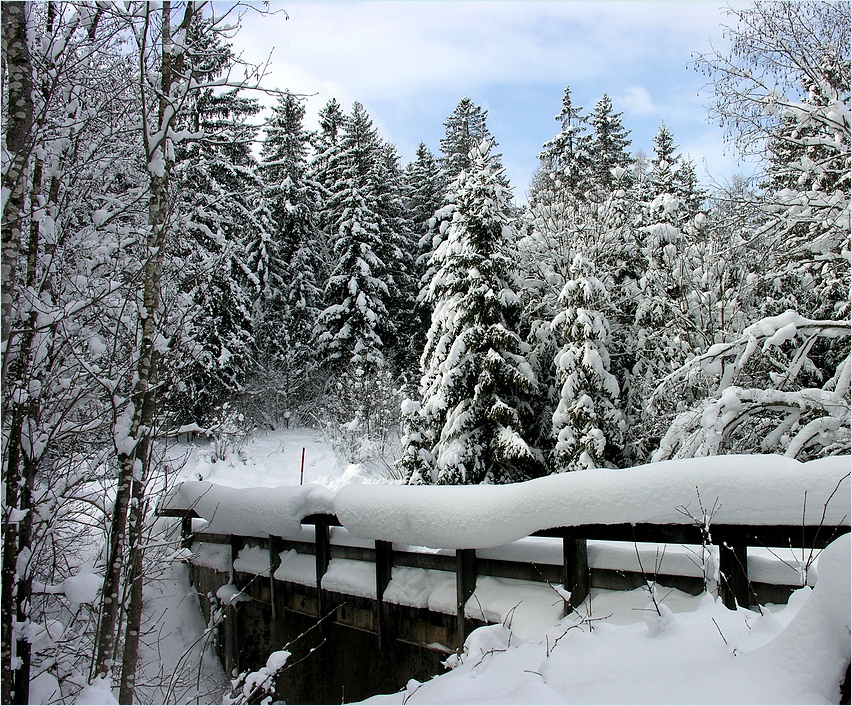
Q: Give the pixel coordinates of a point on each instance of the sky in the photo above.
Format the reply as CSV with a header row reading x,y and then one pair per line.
x,y
411,61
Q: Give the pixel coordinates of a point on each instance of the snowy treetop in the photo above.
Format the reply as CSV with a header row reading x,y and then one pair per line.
x,y
745,490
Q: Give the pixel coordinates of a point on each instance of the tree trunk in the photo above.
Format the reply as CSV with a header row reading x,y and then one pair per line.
x,y
133,463
18,75
130,654
18,128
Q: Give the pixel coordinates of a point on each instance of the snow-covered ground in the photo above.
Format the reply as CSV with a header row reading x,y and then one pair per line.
x,y
619,648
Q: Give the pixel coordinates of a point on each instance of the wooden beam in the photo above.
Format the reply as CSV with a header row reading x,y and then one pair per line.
x,y
322,540
465,586
575,571
384,572
733,569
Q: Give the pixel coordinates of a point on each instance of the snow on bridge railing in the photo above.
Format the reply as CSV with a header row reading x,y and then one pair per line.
x,y
742,490
733,502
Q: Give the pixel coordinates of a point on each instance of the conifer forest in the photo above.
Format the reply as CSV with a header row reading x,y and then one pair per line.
x,y
182,255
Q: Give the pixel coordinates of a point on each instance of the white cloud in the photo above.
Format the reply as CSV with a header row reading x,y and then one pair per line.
x,y
637,100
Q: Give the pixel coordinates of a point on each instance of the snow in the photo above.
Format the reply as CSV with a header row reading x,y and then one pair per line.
x,y
252,560
692,651
612,650
98,692
251,511
475,517
357,578
298,568
83,587
212,556
479,517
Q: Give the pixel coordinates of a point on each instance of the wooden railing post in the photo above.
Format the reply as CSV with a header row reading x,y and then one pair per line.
x,y
322,542
274,563
384,571
186,530
575,570
465,586
733,576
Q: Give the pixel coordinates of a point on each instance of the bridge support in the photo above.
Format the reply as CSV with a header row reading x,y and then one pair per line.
x,y
322,542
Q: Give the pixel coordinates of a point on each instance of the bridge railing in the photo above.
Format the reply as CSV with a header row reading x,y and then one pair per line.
x,y
732,542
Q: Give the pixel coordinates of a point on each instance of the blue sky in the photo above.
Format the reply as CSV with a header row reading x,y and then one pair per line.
x,y
409,62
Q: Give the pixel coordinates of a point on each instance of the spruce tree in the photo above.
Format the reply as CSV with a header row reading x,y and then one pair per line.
x,y
607,147
476,387
587,424
290,296
464,129
564,170
425,186
355,327
217,188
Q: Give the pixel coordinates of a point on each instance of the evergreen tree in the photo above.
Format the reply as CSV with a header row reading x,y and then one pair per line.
x,y
464,129
399,243
607,147
564,170
290,296
476,384
669,325
424,184
587,424
355,327
217,189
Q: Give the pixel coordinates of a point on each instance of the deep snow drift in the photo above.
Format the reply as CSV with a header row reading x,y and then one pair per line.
x,y
703,654
617,648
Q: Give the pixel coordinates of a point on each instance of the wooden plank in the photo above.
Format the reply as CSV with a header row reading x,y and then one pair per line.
x,y
465,586
800,536
322,519
384,571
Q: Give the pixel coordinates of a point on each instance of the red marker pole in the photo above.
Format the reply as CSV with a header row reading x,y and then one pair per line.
x,y
302,473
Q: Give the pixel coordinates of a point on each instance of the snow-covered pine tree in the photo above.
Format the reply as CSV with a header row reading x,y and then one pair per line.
x,y
325,144
217,187
606,148
464,129
667,334
471,424
587,423
290,296
355,327
424,190
564,170
399,246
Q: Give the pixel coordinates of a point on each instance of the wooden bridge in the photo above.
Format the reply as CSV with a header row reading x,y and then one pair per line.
x,y
391,642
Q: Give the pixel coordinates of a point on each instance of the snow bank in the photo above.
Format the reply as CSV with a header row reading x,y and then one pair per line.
x,y
748,490
253,512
